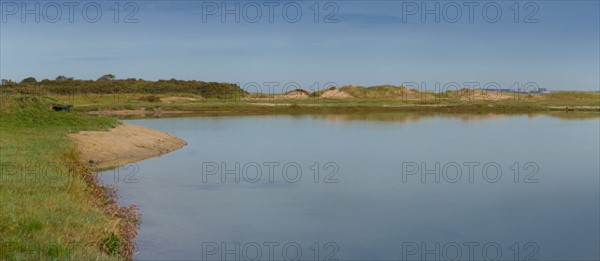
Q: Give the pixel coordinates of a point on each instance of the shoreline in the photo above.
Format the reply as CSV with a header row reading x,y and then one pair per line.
x,y
124,144
166,113
121,145
264,109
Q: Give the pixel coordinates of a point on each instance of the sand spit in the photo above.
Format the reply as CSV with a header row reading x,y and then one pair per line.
x,y
123,144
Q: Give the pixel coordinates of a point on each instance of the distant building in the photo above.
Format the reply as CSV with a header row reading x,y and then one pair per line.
x,y
520,90
540,90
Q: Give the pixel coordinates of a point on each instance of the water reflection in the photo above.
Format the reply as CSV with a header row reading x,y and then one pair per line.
x,y
412,117
528,182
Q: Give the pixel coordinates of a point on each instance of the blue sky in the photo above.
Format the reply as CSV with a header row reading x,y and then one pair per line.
x,y
373,42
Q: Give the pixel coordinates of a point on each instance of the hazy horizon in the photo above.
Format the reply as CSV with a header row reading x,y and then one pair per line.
x,y
353,43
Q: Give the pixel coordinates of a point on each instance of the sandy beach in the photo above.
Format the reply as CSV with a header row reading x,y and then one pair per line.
x,y
123,144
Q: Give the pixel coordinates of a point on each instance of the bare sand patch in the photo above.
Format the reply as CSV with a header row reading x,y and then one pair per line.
x,y
122,145
336,94
179,99
480,95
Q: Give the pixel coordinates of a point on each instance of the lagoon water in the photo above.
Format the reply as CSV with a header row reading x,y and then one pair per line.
x,y
393,186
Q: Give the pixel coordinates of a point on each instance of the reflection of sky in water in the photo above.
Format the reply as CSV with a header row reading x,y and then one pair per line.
x,y
370,213
242,185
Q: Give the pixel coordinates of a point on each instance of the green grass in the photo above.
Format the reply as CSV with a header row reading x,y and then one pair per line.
x,y
48,209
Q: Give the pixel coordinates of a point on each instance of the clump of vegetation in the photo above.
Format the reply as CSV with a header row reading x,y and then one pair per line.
x,y
378,92
108,84
111,244
149,98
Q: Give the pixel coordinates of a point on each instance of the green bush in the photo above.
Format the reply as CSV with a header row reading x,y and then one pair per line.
x,y
150,98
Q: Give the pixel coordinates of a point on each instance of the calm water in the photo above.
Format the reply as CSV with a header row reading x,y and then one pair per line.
x,y
506,187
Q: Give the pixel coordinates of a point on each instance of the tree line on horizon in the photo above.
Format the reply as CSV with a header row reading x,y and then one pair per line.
x,y
108,84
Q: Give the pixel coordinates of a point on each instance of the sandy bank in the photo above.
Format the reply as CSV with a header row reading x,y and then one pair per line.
x,y
334,93
123,144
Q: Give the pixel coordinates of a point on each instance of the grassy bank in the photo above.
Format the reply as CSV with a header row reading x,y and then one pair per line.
x,y
190,104
51,206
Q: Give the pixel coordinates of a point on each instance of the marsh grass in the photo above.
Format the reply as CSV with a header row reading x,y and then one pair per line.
x,y
49,204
